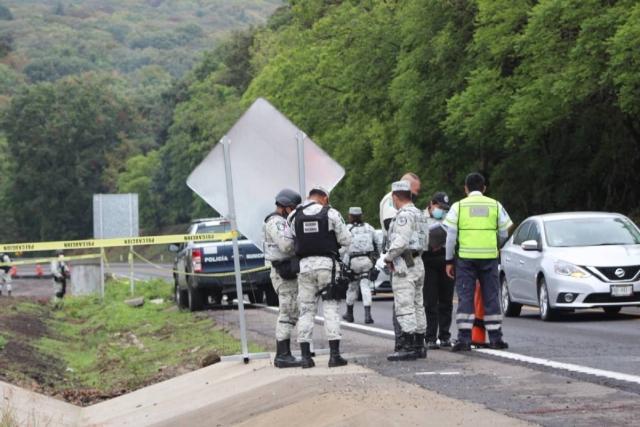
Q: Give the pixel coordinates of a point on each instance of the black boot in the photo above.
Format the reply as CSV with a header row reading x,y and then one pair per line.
x,y
284,359
348,316
335,359
367,315
406,351
9,293
418,345
307,361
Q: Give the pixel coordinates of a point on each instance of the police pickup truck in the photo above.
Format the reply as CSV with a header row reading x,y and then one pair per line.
x,y
215,257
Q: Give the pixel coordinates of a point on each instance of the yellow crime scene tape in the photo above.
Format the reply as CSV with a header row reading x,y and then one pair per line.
x,y
126,241
112,243
48,260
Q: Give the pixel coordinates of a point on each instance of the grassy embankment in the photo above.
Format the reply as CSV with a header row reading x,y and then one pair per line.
x,y
94,349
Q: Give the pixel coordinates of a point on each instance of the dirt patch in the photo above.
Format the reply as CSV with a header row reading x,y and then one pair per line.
x,y
24,324
38,372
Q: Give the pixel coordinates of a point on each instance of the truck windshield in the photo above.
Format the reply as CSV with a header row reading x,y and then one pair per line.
x,y
218,228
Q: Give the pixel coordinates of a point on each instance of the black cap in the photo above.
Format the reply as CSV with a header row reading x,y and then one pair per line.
x,y
442,199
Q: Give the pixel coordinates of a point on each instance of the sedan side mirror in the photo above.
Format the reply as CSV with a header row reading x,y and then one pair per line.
x,y
530,245
174,248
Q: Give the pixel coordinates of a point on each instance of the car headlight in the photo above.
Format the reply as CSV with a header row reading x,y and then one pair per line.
x,y
566,269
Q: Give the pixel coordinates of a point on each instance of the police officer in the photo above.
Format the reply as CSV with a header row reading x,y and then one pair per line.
x,y
278,247
5,275
61,273
438,287
319,232
387,213
408,238
478,225
360,258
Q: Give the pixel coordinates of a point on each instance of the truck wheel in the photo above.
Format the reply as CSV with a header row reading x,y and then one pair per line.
x,y
196,299
272,296
181,297
256,296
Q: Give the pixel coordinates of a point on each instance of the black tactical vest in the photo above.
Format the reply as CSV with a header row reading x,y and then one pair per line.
x,y
313,237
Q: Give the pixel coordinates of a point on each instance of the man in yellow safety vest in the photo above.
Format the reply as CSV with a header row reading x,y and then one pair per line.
x,y
477,226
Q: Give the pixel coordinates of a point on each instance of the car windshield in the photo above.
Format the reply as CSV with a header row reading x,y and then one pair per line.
x,y
217,228
591,232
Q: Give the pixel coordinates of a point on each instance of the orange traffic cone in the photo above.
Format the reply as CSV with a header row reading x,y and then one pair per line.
x,y
478,332
39,270
13,271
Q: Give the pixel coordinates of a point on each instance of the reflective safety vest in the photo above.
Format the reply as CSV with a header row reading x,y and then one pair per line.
x,y
478,228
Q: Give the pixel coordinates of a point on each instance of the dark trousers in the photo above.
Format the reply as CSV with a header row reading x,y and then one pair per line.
x,y
438,302
468,271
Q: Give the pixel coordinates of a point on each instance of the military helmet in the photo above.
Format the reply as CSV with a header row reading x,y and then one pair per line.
x,y
287,197
59,252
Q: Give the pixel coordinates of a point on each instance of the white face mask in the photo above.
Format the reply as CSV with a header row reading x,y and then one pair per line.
x,y
61,256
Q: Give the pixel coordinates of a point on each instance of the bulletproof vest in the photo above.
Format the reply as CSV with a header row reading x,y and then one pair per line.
x,y
271,250
362,239
419,240
313,237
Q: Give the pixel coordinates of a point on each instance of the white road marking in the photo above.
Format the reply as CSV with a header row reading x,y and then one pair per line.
x,y
347,325
564,366
504,354
437,373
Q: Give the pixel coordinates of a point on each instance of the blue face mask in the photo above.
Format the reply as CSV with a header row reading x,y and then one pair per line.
x,y
437,213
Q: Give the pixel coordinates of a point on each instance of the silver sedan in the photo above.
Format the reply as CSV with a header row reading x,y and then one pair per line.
x,y
568,261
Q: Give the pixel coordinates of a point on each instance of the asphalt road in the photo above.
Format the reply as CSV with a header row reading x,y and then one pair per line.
x,y
587,338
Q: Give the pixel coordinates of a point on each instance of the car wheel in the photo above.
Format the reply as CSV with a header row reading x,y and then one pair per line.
x,y
510,309
256,296
181,296
196,299
612,310
546,312
272,296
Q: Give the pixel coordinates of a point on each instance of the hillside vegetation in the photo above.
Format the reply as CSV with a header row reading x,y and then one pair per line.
x,y
541,96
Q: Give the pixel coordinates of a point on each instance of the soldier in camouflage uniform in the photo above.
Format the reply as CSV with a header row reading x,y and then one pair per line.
x,y
278,247
408,238
61,273
360,258
319,232
5,274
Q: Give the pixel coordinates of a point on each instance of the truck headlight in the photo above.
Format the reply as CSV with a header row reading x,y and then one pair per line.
x,y
566,269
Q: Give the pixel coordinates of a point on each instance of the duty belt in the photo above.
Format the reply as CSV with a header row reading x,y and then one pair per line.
x,y
358,255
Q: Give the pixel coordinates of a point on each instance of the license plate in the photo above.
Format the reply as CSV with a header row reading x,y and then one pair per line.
x,y
621,290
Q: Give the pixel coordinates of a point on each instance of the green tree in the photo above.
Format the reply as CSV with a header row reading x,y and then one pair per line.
x,y
58,135
5,13
137,178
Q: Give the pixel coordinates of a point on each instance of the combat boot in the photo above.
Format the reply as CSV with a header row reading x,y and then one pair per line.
x,y
307,361
418,345
335,359
406,351
284,359
367,315
348,316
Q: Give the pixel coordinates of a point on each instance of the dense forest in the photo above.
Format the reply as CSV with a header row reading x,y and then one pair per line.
x,y
542,97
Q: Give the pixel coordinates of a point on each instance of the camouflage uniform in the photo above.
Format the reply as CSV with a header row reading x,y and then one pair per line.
x,y
59,270
5,275
408,233
277,247
358,257
315,274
